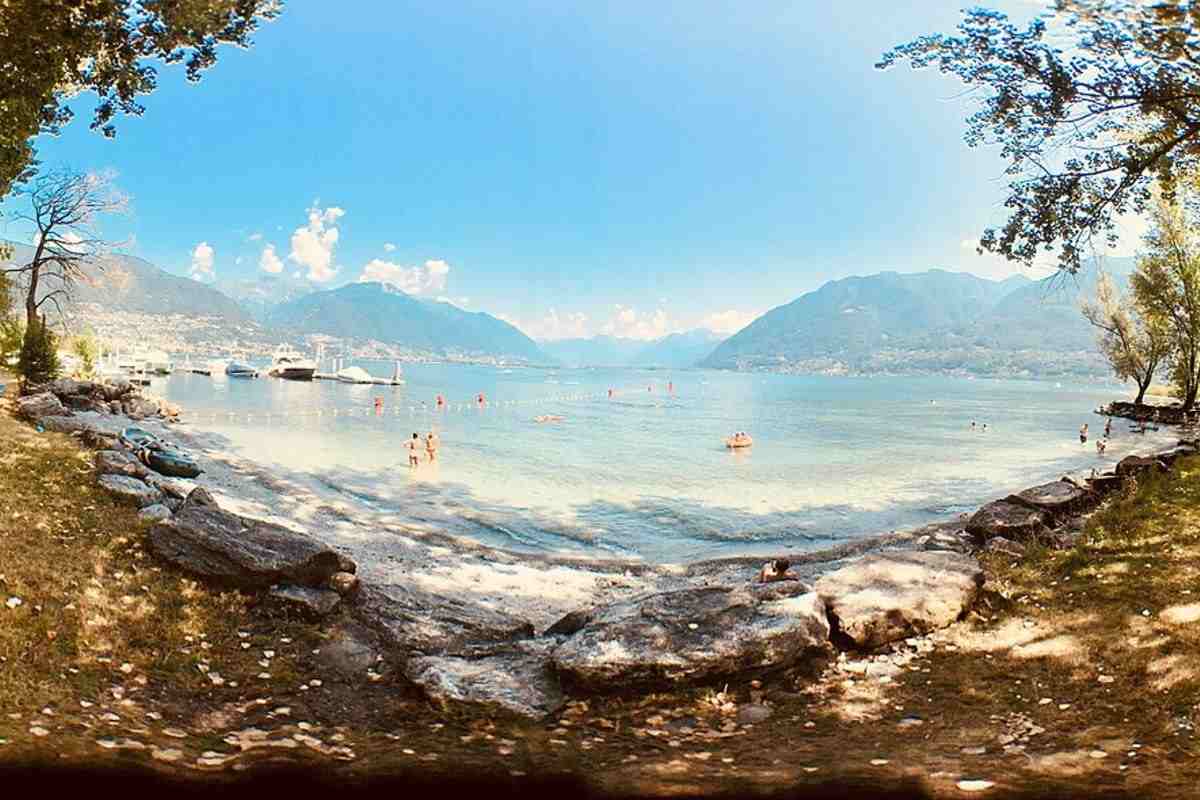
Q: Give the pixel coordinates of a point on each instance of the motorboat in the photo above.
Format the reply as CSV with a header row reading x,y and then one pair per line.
x,y
240,369
354,375
292,365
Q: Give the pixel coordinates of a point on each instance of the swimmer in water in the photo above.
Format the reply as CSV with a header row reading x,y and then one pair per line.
x,y
985,427
431,445
413,458
972,424
1100,445
1083,433
440,401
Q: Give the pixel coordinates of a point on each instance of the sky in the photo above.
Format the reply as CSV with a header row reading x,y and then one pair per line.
x,y
623,168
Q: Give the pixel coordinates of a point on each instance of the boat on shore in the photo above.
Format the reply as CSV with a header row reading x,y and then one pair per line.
x,y
163,458
291,365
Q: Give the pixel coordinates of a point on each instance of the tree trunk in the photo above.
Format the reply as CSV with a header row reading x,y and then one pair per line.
x,y
1142,387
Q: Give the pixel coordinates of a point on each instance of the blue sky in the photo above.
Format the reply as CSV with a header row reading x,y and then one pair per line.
x,y
622,167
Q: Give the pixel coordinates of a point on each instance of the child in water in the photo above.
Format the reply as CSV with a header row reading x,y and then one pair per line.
x,y
413,458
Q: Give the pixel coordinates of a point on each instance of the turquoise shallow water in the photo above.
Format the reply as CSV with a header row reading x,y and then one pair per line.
x,y
646,473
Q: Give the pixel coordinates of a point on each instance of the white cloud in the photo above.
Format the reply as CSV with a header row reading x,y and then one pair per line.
x,y
388,247
269,262
313,244
627,323
552,326
254,237
202,263
429,277
237,260
730,321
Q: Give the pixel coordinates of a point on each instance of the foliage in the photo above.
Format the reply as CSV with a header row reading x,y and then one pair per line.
x,y
12,334
51,50
1166,285
38,362
1084,128
1133,344
88,350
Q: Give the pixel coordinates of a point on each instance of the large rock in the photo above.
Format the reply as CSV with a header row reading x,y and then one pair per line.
x,y
116,389
1006,518
64,424
519,683
68,387
1059,499
349,651
155,513
130,490
235,551
120,462
884,597
137,408
42,404
412,620
313,603
696,634
1132,465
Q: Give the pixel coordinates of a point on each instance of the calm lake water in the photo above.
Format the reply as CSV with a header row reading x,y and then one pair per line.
x,y
646,473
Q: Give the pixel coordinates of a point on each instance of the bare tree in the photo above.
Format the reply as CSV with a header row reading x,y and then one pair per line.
x,y
64,207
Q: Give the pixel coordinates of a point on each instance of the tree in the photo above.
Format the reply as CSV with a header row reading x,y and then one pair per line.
x,y
64,209
1166,286
87,349
1133,344
38,362
51,50
1084,129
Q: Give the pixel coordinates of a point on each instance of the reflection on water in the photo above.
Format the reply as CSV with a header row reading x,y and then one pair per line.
x,y
646,472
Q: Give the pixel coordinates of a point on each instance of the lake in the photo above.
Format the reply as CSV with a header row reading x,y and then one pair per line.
x,y
645,473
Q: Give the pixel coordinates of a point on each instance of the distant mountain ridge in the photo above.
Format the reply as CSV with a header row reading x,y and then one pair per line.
x,y
676,350
933,320
130,284
384,313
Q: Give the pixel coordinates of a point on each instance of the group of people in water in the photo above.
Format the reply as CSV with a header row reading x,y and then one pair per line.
x,y
1101,443
431,443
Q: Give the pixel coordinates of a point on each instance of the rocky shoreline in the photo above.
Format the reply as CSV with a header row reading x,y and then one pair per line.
x,y
520,633
1142,412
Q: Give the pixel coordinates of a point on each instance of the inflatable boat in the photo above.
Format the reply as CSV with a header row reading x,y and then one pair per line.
x,y
734,444
159,456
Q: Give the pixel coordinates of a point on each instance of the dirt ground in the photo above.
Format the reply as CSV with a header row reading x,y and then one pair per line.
x,y
1077,673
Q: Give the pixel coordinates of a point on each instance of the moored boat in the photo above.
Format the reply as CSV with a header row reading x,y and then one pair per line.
x,y
354,375
291,365
240,369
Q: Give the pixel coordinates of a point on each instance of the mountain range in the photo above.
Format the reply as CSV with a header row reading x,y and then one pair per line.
x,y
677,350
934,320
384,313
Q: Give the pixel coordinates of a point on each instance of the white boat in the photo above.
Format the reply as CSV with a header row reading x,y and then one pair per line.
x,y
240,369
354,375
292,365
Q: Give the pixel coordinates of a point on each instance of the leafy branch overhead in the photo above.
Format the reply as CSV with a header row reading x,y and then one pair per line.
x,y
1086,127
51,50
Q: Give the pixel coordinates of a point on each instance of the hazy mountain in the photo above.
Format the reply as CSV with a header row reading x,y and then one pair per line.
x,y
678,350
597,351
260,294
385,313
927,321
124,283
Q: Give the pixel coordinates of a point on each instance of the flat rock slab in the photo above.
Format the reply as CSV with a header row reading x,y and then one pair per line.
x,y
1009,519
42,404
130,490
318,603
1057,498
416,621
696,634
889,596
519,683
238,552
350,651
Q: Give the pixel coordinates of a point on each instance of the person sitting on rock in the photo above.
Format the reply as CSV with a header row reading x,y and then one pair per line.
x,y
776,570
